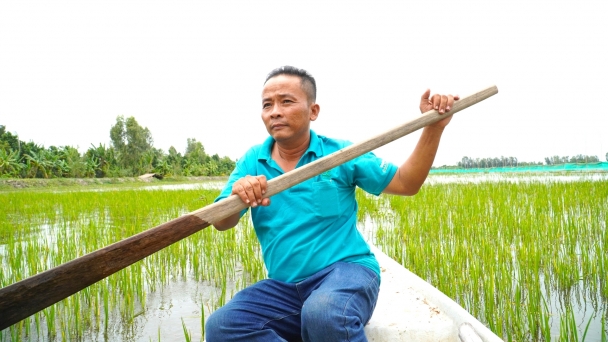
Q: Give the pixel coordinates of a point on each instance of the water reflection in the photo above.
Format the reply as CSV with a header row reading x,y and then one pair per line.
x,y
516,177
205,185
189,301
198,185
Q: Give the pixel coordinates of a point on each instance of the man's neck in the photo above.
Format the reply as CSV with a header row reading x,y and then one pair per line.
x,y
288,155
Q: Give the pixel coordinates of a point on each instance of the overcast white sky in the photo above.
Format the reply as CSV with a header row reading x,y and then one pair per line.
x,y
188,69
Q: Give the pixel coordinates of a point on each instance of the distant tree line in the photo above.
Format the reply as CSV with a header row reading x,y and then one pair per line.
x,y
131,154
467,162
556,160
483,163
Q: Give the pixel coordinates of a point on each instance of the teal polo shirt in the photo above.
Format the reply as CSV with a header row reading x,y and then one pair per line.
x,y
313,224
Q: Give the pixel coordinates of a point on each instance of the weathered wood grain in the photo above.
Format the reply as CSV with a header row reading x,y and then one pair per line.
x,y
26,297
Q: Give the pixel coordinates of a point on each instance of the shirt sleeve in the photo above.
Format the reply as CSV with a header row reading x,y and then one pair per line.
x,y
373,174
239,172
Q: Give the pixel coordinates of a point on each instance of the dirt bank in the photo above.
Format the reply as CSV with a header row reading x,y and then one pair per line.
x,y
34,183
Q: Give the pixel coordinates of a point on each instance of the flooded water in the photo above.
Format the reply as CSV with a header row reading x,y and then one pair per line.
x,y
206,185
203,185
516,177
167,311
180,308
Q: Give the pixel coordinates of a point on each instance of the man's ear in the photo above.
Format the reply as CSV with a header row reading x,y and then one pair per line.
x,y
314,111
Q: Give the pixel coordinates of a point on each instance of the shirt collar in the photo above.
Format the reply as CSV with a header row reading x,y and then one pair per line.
x,y
314,147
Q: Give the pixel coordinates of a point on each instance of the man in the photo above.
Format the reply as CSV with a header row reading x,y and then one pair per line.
x,y
323,279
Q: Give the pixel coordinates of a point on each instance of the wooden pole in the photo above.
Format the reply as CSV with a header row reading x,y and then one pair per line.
x,y
28,296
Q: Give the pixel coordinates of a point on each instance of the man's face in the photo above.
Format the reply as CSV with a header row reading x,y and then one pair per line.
x,y
286,111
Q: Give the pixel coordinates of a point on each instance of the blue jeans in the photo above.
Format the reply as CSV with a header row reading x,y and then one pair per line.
x,y
332,305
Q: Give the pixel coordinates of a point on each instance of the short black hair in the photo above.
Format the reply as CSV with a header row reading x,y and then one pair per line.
x,y
307,81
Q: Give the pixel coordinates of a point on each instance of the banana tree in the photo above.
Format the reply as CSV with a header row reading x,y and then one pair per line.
x,y
91,166
37,162
163,167
9,163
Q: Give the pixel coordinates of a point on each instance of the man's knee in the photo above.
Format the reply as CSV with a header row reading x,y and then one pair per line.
x,y
338,315
319,309
226,324
215,324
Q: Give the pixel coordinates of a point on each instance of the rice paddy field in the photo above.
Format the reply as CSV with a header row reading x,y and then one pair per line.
x,y
524,254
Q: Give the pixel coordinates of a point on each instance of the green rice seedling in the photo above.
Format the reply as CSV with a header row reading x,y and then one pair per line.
x,y
515,255
586,329
187,336
604,329
49,316
38,328
27,253
545,327
499,247
568,328
203,319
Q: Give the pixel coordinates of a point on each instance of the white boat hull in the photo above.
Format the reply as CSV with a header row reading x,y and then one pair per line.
x,y
410,309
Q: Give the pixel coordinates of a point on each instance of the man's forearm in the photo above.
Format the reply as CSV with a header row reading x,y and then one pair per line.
x,y
228,222
417,166
412,173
